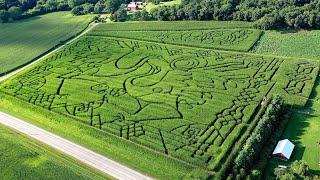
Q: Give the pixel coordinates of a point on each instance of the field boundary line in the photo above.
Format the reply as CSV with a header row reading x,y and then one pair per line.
x,y
195,47
74,150
6,76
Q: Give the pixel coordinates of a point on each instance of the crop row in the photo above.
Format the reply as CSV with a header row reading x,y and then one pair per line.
x,y
227,39
186,103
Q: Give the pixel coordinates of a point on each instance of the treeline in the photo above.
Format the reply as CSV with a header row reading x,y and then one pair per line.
x,y
266,14
11,10
248,157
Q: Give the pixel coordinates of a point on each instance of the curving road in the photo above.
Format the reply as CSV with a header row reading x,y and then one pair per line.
x,y
78,152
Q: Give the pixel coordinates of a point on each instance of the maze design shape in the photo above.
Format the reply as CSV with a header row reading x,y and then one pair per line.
x,y
186,103
229,39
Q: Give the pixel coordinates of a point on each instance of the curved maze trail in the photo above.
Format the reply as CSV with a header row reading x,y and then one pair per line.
x,y
228,39
189,104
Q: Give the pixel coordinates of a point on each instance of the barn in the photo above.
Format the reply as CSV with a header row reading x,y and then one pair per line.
x,y
283,149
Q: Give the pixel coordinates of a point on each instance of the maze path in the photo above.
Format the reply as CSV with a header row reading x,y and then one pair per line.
x,y
190,104
229,39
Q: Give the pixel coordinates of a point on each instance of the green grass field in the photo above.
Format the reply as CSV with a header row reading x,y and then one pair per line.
x,y
22,158
226,39
186,103
304,44
303,129
25,40
303,126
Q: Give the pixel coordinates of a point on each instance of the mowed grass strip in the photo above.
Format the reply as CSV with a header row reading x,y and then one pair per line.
x,y
23,158
173,25
22,41
225,39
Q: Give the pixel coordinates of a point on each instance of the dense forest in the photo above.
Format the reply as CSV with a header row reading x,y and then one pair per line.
x,y
266,14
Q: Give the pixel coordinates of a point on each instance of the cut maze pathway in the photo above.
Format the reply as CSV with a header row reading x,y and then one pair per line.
x,y
76,151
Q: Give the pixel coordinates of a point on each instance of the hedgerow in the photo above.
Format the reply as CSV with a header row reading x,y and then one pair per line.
x,y
260,135
187,103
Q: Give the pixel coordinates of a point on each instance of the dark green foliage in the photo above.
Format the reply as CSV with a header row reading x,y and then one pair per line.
x,y
261,134
267,14
15,12
120,15
99,8
82,9
142,15
297,170
4,16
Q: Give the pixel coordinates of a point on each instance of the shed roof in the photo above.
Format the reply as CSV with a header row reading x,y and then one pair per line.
x,y
284,147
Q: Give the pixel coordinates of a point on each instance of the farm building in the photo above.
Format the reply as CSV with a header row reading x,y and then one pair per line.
x,y
134,6
283,149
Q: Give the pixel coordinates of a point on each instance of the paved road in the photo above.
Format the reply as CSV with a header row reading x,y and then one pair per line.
x,y
82,154
7,76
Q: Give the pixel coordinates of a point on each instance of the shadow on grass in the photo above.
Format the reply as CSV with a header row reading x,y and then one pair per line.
x,y
292,30
298,126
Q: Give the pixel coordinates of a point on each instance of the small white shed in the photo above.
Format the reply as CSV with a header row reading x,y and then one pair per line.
x,y
283,149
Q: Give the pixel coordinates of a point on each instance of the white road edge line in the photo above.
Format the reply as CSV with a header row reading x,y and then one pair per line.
x,y
76,151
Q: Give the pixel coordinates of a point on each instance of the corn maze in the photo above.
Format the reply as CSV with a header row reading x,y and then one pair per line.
x,y
191,104
227,39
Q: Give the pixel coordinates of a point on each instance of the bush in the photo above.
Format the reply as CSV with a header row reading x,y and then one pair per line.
x,y
4,16
15,12
120,15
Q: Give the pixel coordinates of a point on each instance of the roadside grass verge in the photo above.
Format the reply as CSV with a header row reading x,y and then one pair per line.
x,y
23,158
118,149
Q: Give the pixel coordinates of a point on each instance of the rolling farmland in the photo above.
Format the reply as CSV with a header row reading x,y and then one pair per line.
x,y
23,41
188,103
